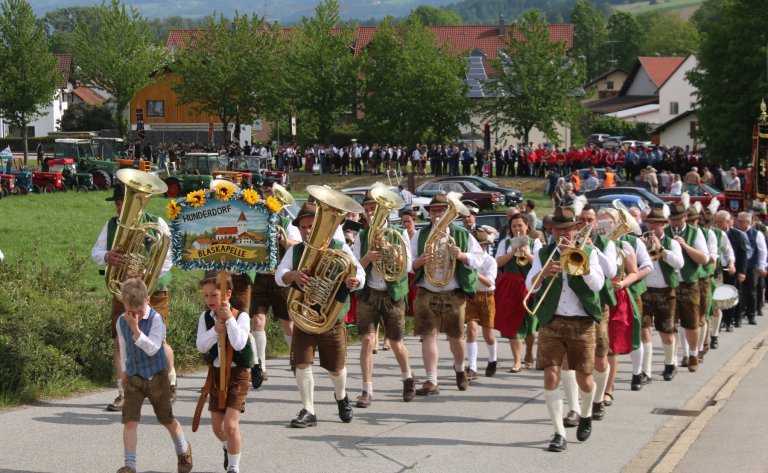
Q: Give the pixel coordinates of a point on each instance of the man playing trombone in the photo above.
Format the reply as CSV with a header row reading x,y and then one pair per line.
x,y
568,307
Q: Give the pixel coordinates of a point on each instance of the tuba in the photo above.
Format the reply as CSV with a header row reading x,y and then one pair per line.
x,y
316,309
390,243
439,272
144,245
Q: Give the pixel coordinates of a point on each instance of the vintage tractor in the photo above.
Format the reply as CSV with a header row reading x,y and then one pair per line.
x,y
113,150
31,181
81,152
195,173
255,171
7,184
71,179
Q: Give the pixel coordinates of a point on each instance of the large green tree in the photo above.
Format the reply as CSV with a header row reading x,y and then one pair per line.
x,y
534,83
115,52
431,16
667,35
731,77
590,35
229,70
29,73
414,87
625,39
322,72
61,24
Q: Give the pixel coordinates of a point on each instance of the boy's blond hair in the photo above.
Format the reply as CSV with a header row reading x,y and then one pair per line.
x,y
212,277
134,293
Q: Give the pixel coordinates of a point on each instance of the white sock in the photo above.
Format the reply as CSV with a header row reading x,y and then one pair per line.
x,y
647,357
368,387
261,348
234,461
682,342
407,374
120,388
172,376
669,353
432,377
491,353
693,352
637,360
472,355
601,382
715,323
702,336
288,339
306,383
458,367
571,389
587,398
340,384
555,408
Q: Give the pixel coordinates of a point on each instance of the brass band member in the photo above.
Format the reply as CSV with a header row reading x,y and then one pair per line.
x,y
567,314
381,301
441,309
331,345
726,266
481,309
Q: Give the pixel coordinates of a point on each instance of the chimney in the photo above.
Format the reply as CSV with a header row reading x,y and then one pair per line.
x,y
501,26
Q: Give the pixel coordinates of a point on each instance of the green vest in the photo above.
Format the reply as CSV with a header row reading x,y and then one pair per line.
x,y
397,290
670,274
163,281
637,288
607,295
512,266
343,294
590,300
467,278
691,271
244,358
718,266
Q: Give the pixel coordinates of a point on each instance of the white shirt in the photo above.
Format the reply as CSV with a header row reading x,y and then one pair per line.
x,y
726,251
643,258
608,259
286,265
237,334
569,304
673,257
407,196
374,279
761,251
474,258
489,269
505,248
714,251
151,343
99,250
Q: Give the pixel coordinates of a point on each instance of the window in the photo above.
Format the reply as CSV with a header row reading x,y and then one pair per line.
x,y
609,85
155,108
673,108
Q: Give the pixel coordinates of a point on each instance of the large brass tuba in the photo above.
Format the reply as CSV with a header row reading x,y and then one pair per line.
x,y
144,245
390,243
315,309
439,272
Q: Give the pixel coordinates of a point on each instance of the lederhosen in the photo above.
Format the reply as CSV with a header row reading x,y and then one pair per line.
x,y
688,293
660,303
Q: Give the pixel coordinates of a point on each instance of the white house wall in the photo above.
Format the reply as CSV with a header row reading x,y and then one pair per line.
x,y
51,119
677,89
642,84
677,134
475,135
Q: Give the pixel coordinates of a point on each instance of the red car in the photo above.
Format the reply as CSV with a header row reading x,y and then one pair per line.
x,y
703,193
470,193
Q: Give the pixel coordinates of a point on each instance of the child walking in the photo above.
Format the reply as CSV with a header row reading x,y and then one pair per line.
x,y
220,318
140,332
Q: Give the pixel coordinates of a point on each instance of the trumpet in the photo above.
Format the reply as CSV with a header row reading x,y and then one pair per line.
x,y
520,258
574,262
676,231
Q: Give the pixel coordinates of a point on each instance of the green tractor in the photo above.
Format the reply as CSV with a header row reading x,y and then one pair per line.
x,y
81,151
196,172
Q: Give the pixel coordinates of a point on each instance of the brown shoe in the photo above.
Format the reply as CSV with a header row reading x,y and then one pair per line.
x,y
409,389
571,419
598,410
185,460
126,469
684,363
117,404
701,357
693,364
428,388
471,374
462,381
364,400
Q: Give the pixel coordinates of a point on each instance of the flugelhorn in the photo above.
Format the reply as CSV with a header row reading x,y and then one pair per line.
x,y
315,309
285,198
442,266
521,241
144,245
390,243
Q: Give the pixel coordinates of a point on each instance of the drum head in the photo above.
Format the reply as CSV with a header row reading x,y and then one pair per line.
x,y
725,297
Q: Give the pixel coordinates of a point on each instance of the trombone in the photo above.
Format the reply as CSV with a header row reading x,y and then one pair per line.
x,y
573,260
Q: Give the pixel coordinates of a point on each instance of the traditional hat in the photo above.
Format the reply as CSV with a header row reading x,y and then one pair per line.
x,y
268,181
473,210
368,198
564,217
118,193
309,209
658,214
438,200
482,236
676,210
694,211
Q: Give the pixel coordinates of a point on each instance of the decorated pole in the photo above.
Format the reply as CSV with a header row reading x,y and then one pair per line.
x,y
224,360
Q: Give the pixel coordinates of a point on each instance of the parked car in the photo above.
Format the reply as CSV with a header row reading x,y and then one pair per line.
x,y
471,194
597,139
358,193
627,199
497,220
511,196
584,174
703,193
613,142
651,198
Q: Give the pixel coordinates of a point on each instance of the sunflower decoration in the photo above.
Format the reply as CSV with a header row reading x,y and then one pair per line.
x,y
174,209
196,198
250,196
224,192
273,204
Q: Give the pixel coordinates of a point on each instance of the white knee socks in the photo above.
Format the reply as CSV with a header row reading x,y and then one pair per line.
x,y
555,408
306,383
340,384
571,389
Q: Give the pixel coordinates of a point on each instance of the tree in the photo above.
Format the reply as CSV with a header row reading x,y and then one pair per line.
x,y
731,78
29,74
535,85
229,70
626,38
115,53
431,16
590,35
667,35
322,71
61,23
85,117
414,88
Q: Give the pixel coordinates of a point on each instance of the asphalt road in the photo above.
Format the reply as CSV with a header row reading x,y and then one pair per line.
x,y
500,423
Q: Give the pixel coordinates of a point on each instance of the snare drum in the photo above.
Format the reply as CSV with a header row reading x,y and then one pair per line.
x,y
725,297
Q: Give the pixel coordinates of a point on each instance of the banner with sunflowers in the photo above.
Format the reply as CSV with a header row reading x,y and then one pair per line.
x,y
224,229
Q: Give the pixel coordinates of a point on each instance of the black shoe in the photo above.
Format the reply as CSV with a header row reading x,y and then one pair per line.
x,y
571,419
752,321
304,419
226,459
669,372
585,429
345,410
598,410
490,370
558,443
646,379
713,342
637,382
737,323
257,376
728,328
